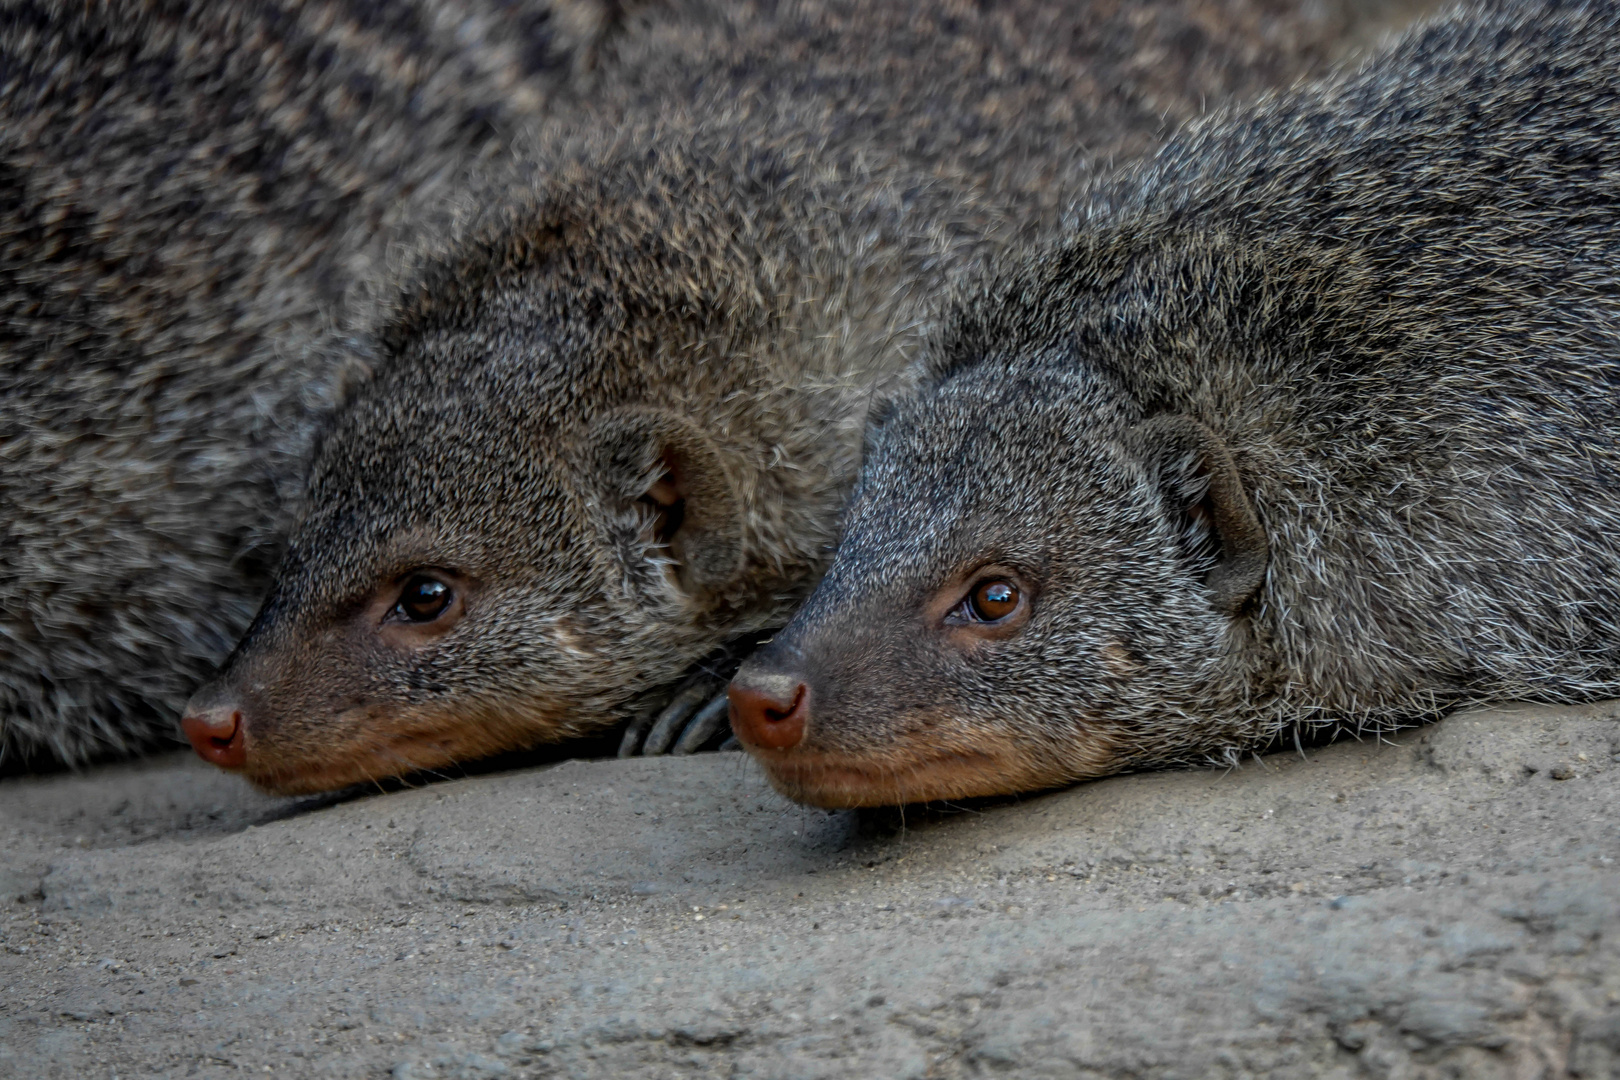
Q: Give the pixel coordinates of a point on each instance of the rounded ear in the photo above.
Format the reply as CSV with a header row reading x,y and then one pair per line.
x,y
660,459
1197,474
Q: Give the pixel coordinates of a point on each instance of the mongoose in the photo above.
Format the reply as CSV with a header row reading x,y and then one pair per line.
x,y
191,194
612,425
1312,423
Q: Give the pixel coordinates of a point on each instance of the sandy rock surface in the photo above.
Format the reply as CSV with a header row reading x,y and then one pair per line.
x,y
1444,905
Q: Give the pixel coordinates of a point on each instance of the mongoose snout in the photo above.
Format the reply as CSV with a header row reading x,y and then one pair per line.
x,y
1313,424
769,710
255,717
216,734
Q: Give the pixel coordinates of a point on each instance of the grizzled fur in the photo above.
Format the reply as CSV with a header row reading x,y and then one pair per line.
x,y
189,190
1314,421
700,303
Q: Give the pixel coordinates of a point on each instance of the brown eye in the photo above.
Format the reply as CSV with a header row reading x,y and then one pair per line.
x,y
424,599
992,601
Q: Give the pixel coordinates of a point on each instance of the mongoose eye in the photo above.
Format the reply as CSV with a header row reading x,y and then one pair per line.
x,y
992,601
424,599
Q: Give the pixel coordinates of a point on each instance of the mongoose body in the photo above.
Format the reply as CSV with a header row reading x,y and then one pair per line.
x,y
1313,422
613,424
192,196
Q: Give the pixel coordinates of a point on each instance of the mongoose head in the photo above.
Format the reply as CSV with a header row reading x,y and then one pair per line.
x,y
532,512
453,596
1033,581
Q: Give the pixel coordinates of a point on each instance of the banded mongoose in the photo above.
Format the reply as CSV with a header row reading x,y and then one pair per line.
x,y
192,193
612,427
1312,423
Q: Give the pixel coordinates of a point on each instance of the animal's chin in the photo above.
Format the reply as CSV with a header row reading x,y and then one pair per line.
x,y
384,744
842,781
311,778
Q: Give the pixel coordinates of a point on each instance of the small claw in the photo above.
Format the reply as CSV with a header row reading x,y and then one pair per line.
x,y
681,704
671,719
632,736
705,725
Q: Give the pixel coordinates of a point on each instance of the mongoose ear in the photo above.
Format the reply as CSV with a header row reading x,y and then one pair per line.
x,y
660,459
1196,473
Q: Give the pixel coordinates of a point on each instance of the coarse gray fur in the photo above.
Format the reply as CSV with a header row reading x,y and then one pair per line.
x,y
1312,423
192,195
703,299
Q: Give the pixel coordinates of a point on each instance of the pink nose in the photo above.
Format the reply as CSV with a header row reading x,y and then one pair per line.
x,y
769,711
216,734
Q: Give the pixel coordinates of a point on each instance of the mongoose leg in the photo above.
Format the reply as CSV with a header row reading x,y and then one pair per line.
x,y
698,712
677,711
683,724
709,722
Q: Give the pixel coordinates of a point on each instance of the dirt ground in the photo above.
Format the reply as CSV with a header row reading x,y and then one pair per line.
x,y
1443,905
